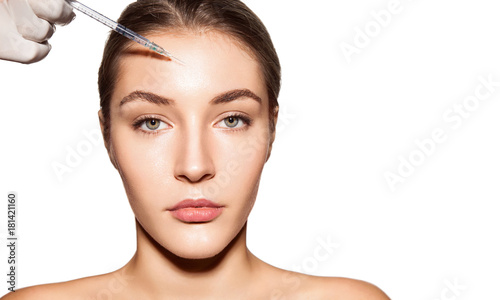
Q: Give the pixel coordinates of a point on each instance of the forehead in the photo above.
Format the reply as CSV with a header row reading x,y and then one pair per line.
x,y
214,63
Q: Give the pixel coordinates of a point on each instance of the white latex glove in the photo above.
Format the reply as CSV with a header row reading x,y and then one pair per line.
x,y
26,25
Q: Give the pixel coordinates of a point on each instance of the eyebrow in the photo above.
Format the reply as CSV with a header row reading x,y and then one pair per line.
x,y
221,98
145,96
234,95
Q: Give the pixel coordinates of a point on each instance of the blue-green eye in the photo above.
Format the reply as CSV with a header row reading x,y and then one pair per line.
x,y
235,121
152,124
232,121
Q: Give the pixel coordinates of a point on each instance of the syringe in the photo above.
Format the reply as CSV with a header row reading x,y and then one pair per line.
x,y
121,29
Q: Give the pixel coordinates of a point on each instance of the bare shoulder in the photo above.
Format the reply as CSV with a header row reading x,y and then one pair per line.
x,y
347,288
294,285
288,285
41,292
111,285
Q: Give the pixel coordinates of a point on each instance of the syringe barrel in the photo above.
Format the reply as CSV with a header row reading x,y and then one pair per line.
x,y
93,14
132,35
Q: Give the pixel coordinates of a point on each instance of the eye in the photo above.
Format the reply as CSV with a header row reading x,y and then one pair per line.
x,y
149,124
152,124
235,121
232,122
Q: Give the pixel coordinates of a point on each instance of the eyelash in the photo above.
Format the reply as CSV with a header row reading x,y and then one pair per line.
x,y
138,123
243,118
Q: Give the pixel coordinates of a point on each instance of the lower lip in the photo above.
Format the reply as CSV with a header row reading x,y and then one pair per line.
x,y
197,214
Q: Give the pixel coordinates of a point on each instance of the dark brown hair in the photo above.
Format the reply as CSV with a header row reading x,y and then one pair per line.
x,y
230,17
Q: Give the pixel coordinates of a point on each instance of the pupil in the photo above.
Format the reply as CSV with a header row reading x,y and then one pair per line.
x,y
231,121
153,124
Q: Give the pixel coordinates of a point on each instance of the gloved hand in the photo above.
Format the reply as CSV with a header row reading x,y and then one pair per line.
x,y
26,25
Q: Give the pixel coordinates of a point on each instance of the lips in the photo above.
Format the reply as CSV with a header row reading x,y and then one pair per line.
x,y
196,211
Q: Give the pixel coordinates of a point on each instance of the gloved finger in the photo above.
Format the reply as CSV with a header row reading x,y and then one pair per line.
x,y
15,48
53,11
36,31
28,24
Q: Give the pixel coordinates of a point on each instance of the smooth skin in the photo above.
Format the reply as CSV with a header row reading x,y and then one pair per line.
x,y
210,141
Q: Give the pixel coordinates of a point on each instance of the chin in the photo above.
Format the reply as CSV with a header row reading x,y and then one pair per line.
x,y
200,245
198,253
186,250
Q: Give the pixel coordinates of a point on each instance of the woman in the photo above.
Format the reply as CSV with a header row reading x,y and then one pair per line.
x,y
190,142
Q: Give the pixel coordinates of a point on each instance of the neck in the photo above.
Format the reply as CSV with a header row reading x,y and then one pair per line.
x,y
158,271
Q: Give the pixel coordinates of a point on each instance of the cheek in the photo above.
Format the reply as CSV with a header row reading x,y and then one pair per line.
x,y
139,162
239,169
147,166
143,164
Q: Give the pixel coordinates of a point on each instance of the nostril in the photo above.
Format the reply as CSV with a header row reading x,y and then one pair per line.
x,y
195,174
194,179
193,157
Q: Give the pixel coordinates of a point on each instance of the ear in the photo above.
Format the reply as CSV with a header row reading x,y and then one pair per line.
x,y
273,135
107,144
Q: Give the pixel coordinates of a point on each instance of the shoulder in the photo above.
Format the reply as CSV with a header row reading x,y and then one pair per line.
x,y
347,288
111,284
40,292
289,285
300,286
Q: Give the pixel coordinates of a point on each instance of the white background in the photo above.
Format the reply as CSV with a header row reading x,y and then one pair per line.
x,y
342,126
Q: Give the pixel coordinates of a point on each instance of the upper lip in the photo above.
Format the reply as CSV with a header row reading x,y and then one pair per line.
x,y
195,203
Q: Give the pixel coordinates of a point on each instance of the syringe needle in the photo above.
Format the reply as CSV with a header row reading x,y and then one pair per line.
x,y
164,52
177,60
121,29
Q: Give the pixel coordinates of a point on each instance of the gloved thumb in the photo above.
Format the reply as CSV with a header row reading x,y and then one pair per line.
x,y
28,24
17,48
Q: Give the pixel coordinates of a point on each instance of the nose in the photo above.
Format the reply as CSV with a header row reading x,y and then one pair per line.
x,y
194,162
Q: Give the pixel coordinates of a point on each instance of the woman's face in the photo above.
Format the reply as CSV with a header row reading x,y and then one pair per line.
x,y
198,131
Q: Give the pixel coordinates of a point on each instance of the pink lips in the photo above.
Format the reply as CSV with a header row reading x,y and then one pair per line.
x,y
196,211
